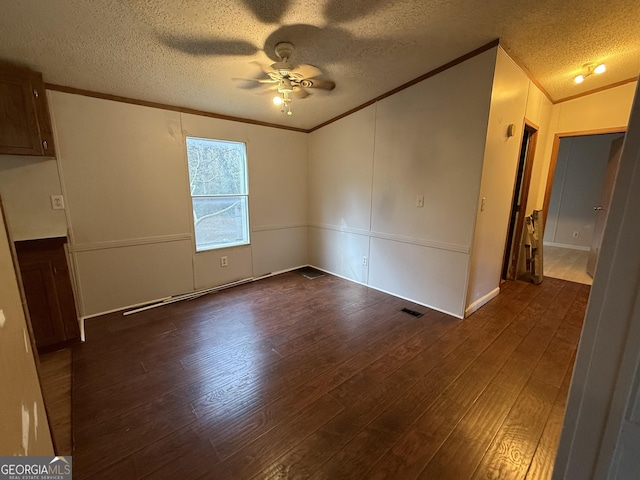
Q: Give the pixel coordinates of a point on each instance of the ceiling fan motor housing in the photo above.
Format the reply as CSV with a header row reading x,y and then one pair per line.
x,y
284,50
282,67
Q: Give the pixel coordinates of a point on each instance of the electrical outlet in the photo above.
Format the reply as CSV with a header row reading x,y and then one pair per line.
x,y
420,201
576,234
484,201
57,202
223,261
364,260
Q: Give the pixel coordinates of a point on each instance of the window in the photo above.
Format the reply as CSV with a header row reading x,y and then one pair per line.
x,y
219,193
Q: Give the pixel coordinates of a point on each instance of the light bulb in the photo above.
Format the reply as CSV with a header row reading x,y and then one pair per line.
x,y
579,79
600,69
277,100
289,112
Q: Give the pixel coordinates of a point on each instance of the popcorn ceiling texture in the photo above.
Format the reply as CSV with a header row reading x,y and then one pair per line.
x,y
186,53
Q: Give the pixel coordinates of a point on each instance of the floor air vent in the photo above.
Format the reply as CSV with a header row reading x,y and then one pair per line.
x,y
412,312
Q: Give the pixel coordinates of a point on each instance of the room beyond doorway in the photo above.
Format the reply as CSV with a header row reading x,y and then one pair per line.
x,y
581,172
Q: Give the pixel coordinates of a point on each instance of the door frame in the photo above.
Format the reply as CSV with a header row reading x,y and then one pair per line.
x,y
554,160
516,243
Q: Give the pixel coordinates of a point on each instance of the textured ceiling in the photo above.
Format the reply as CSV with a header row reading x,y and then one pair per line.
x,y
187,52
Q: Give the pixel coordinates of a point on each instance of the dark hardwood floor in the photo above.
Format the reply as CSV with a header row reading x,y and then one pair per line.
x,y
55,376
290,378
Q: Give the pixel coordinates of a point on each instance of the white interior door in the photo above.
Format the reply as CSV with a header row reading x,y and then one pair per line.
x,y
603,208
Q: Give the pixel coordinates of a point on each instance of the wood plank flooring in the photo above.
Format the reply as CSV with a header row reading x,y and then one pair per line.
x,y
55,375
292,378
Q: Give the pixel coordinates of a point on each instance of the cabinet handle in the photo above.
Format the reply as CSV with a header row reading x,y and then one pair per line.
x,y
35,93
55,271
45,145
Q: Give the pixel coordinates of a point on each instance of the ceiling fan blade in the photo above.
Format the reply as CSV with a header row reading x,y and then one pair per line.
x,y
208,46
320,84
272,88
265,68
338,11
249,83
259,80
267,12
300,93
307,71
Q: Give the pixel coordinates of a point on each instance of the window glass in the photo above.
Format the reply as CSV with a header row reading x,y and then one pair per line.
x,y
219,194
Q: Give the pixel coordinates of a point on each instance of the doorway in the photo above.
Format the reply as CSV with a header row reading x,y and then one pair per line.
x,y
576,200
519,202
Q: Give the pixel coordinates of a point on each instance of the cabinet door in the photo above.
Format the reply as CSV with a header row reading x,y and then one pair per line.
x,y
19,130
39,283
48,291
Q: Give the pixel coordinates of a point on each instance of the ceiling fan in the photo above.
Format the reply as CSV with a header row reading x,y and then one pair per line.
x,y
289,81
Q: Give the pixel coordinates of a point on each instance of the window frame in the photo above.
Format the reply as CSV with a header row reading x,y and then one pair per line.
x,y
247,220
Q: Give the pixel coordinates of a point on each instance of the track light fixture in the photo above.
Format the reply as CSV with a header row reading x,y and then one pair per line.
x,y
590,69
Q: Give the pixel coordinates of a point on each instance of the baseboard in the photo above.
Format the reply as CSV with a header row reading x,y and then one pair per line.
x,y
271,274
566,245
481,301
390,293
127,307
160,300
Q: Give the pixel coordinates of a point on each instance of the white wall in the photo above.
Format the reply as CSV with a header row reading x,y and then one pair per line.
x,y
539,113
577,186
26,186
25,429
367,169
125,180
508,106
340,189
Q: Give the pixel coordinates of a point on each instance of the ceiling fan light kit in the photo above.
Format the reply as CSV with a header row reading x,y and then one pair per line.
x,y
290,81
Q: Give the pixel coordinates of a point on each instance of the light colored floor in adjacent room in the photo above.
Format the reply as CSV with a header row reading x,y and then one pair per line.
x,y
566,264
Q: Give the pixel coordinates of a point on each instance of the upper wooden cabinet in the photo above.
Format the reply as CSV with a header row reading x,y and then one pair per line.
x,y
25,126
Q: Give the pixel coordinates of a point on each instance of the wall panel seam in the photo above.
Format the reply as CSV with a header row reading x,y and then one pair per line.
x,y
284,226
452,247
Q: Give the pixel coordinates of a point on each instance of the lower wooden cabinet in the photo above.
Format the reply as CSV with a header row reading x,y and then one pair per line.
x,y
48,291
